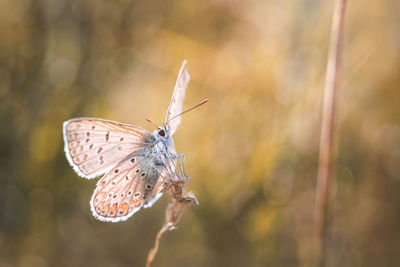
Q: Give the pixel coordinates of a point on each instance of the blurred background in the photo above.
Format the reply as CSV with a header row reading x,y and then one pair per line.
x,y
252,150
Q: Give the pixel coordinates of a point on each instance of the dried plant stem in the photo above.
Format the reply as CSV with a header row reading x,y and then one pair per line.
x,y
173,212
327,142
153,251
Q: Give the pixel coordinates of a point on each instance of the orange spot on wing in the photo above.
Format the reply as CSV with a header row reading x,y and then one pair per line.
x,y
124,207
114,208
137,202
107,208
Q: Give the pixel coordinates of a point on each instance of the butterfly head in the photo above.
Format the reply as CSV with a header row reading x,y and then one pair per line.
x,y
163,135
162,132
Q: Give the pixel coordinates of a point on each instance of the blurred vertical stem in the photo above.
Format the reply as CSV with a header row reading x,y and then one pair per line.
x,y
327,142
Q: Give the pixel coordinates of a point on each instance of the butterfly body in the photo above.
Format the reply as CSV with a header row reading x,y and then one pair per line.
x,y
135,162
163,142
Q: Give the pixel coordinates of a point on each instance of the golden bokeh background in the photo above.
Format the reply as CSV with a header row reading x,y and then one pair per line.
x,y
252,150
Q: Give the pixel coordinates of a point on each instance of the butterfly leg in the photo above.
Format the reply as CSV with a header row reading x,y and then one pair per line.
x,y
167,163
181,160
174,157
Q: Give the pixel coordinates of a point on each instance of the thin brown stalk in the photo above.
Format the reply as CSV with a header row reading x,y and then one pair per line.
x,y
328,141
154,250
173,212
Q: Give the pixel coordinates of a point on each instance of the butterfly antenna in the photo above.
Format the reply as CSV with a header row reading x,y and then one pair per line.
x,y
201,103
149,121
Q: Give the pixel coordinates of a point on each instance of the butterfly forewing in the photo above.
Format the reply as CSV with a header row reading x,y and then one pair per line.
x,y
175,107
125,189
93,146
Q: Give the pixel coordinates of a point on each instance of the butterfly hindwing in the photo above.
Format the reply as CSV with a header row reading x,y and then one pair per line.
x,y
122,191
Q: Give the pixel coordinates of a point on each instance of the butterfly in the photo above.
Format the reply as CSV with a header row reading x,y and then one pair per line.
x,y
134,161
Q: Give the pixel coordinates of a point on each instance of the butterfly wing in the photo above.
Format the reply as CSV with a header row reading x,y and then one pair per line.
x,y
133,183
93,146
175,107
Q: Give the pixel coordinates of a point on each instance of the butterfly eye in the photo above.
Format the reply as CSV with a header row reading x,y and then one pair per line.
x,y
161,132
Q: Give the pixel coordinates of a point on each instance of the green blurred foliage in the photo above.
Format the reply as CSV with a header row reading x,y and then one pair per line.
x,y
251,151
